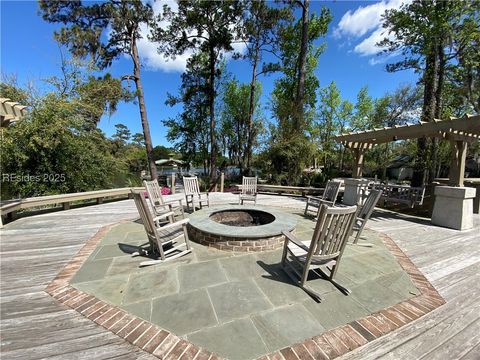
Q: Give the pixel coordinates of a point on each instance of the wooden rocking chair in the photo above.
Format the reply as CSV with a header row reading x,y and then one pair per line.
x,y
364,214
328,197
163,241
193,194
156,200
334,226
249,190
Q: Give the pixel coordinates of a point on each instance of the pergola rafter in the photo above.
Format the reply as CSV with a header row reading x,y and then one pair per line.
x,y
459,131
10,112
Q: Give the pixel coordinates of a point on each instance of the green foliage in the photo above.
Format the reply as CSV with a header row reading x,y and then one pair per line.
x,y
51,147
104,31
234,129
283,96
438,39
291,150
210,27
162,152
86,28
285,160
14,93
189,130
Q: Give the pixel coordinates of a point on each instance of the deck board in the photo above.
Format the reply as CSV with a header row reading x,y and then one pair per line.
x,y
34,249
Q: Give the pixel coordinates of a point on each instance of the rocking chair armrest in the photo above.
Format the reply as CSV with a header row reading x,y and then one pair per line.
x,y
175,224
171,202
161,207
292,238
163,216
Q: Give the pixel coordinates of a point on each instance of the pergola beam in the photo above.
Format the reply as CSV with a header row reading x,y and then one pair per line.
x,y
10,112
459,131
438,128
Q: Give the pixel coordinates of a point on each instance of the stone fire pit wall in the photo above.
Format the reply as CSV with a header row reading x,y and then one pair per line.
x,y
205,231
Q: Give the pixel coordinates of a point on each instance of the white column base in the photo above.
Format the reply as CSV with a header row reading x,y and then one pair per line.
x,y
453,207
353,187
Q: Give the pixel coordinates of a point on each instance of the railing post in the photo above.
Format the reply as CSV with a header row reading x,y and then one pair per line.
x,y
173,183
222,181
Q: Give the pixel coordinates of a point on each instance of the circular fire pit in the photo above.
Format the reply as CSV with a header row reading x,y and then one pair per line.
x,y
240,228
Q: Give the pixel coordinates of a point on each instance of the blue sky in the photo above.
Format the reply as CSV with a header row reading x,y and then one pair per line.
x,y
29,52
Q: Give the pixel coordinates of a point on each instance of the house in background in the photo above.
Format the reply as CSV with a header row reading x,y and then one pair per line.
x,y
400,168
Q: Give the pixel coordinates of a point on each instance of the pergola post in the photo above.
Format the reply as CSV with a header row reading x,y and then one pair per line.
x,y
357,170
457,165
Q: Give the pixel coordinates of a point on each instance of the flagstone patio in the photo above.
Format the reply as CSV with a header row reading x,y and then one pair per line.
x,y
238,305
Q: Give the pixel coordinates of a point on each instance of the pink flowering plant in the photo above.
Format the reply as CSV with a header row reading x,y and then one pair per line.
x,y
166,190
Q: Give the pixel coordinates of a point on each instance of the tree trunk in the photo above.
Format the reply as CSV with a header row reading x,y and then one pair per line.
x,y
213,145
428,113
250,111
438,108
302,59
143,110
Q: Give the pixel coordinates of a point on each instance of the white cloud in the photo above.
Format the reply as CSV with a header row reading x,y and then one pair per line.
x,y
155,61
365,26
368,45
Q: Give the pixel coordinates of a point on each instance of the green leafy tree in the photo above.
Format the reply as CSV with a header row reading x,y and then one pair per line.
x,y
260,26
139,140
104,31
362,118
50,152
162,152
206,26
189,131
291,131
430,35
328,122
235,130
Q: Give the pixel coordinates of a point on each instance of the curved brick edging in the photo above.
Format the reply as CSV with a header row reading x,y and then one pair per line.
x,y
205,231
228,243
166,345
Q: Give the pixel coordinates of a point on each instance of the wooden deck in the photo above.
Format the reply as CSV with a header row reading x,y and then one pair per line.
x,y
34,249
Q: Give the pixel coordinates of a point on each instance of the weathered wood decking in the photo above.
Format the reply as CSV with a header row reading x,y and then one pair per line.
x,y
34,249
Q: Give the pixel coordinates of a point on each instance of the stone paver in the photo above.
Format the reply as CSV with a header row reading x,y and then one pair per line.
x,y
92,270
203,274
286,325
152,284
184,312
236,340
336,310
239,305
237,299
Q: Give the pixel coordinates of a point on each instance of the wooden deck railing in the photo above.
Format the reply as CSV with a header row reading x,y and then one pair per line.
x,y
9,208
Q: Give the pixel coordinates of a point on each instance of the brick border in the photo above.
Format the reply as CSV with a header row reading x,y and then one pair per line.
x,y
143,334
230,243
345,338
166,345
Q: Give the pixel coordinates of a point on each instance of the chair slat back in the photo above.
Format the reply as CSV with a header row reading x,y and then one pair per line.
x,y
332,230
154,192
190,185
331,191
249,185
145,214
369,204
